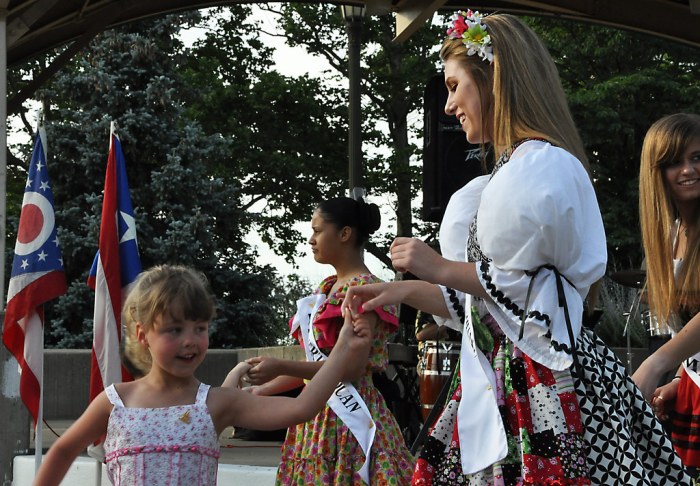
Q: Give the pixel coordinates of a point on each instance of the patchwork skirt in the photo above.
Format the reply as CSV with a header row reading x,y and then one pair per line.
x,y
585,425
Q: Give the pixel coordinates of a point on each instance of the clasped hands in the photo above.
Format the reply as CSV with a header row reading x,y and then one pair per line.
x,y
661,398
355,336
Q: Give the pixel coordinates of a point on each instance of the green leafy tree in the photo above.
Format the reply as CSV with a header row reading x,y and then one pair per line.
x,y
284,302
394,76
298,147
618,83
287,134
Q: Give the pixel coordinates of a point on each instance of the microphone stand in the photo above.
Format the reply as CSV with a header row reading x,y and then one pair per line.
x,y
634,310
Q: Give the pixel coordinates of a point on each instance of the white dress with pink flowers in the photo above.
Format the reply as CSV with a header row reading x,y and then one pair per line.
x,y
161,446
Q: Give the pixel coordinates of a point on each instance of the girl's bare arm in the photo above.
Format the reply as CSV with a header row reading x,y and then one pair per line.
x,y
237,408
91,425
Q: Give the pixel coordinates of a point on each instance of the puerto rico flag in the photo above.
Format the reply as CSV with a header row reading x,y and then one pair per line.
x,y
116,266
37,277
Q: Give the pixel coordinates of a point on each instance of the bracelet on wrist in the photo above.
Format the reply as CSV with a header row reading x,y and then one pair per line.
x,y
677,377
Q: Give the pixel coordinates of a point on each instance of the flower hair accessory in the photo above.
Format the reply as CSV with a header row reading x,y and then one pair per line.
x,y
467,27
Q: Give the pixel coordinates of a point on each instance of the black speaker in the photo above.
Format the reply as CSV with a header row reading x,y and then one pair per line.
x,y
449,161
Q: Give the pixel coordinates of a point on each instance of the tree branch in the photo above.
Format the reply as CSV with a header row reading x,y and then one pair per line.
x,y
252,202
378,253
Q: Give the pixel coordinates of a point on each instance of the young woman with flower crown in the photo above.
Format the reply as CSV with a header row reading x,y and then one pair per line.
x,y
545,402
355,438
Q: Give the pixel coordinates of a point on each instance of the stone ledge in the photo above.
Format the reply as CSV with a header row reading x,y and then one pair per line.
x,y
67,374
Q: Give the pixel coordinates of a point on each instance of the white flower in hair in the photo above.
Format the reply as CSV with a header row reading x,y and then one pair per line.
x,y
467,27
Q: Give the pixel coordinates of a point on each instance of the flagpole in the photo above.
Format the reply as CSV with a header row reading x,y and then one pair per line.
x,y
98,469
39,426
37,277
3,141
115,267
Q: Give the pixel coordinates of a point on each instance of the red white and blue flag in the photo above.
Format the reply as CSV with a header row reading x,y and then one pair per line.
x,y
116,266
37,277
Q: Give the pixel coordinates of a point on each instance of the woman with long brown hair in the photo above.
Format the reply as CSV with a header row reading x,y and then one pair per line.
x,y
669,208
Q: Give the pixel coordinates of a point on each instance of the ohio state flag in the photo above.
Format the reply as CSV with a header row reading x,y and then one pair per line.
x,y
37,277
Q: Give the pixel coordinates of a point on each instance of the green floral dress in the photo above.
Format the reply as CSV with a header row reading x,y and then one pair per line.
x,y
323,450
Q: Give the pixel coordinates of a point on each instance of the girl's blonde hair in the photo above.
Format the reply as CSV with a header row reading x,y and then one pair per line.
x,y
521,93
176,290
665,142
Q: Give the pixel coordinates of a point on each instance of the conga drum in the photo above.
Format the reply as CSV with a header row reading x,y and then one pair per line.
x,y
435,363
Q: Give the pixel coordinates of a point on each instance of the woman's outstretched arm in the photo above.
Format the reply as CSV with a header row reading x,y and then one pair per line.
x,y
681,347
420,295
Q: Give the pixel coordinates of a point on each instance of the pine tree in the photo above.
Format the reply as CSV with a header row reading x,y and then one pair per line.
x,y
185,213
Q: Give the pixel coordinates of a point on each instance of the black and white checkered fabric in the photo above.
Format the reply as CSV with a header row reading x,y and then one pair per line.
x,y
628,445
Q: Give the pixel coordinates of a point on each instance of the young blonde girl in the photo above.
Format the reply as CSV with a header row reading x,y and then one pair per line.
x,y
163,428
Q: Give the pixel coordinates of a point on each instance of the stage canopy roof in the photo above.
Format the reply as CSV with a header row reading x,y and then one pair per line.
x,y
678,20
34,26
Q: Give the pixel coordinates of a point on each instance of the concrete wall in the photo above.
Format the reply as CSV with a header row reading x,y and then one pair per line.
x,y
67,372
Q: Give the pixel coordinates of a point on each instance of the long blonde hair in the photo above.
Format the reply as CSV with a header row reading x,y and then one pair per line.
x,y
521,93
664,143
177,290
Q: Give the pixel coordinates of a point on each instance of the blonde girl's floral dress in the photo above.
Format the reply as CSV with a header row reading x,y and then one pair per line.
x,y
323,451
168,446
564,422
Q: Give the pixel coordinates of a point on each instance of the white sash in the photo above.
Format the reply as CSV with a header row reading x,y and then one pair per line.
x,y
690,366
345,401
482,437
